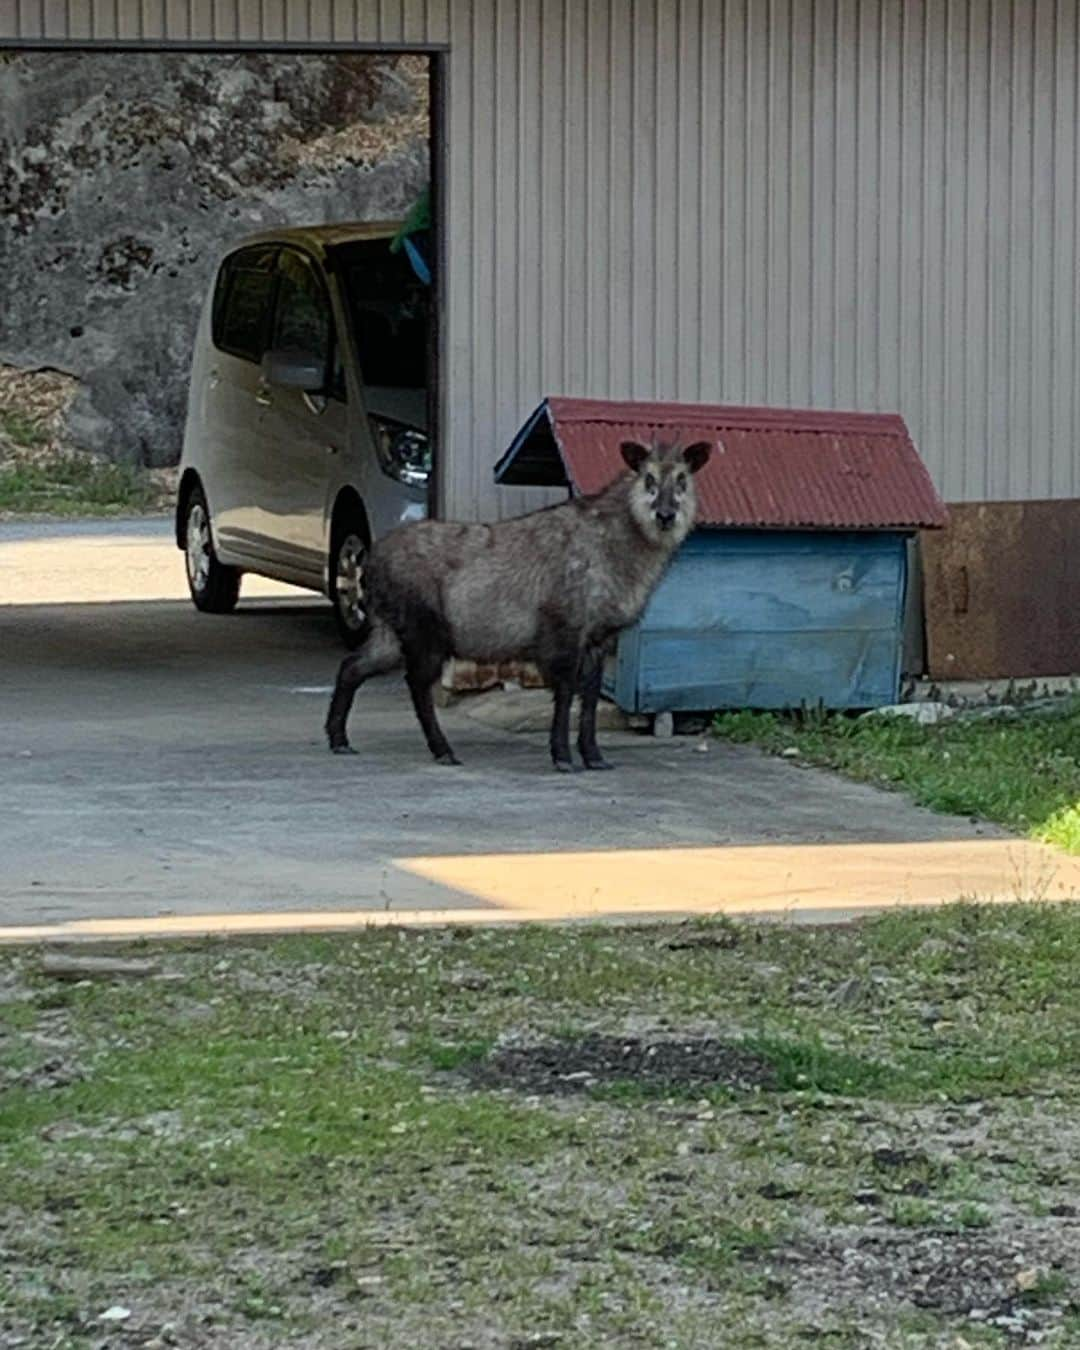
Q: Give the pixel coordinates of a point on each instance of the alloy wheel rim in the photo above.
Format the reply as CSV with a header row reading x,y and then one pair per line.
x,y
198,547
350,580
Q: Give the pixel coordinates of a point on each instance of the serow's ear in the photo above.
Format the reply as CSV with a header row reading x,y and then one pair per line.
x,y
635,455
697,455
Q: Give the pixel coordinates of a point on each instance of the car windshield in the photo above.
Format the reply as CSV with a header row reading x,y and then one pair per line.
x,y
388,310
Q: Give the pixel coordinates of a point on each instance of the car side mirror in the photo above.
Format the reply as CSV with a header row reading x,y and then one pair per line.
x,y
294,370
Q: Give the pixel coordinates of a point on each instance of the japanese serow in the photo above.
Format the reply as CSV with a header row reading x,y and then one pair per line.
x,y
554,587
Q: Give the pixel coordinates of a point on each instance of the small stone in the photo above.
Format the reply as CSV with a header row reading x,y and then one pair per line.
x,y
790,752
926,714
772,1190
470,979
117,1313
849,991
1027,1279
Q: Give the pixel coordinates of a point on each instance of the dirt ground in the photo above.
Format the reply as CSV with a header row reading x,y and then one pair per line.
x,y
706,1135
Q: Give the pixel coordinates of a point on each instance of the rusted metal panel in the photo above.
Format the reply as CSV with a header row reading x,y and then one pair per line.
x,y
1002,591
774,468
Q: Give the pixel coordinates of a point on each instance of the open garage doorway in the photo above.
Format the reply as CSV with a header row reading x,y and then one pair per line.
x,y
128,181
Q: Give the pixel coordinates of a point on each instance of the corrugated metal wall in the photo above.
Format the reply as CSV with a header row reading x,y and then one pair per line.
x,y
862,204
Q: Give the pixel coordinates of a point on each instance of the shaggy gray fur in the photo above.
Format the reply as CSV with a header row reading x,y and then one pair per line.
x,y
553,587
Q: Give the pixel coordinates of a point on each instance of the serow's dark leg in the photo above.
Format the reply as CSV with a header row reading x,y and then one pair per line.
x,y
380,652
562,673
421,672
592,676
560,728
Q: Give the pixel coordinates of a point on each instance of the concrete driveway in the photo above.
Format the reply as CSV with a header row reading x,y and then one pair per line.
x,y
163,771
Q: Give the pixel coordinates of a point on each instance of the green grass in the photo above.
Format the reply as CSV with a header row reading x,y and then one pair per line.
x,y
23,431
285,1136
73,485
1023,773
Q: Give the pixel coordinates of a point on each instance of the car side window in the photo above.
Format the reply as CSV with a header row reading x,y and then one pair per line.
x,y
242,300
303,321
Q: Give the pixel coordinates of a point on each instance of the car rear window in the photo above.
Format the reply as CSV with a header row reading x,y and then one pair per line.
x,y
242,301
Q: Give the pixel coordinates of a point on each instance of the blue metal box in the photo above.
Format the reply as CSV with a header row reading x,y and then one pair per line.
x,y
769,619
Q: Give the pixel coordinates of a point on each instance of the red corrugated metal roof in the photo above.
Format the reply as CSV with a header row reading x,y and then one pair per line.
x,y
772,468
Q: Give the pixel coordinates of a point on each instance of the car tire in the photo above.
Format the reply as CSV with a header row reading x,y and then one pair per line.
x,y
214,587
349,544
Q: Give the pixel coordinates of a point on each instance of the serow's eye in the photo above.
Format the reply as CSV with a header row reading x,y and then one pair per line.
x,y
680,482
650,483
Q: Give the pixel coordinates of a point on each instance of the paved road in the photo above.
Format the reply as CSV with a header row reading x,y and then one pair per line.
x,y
164,771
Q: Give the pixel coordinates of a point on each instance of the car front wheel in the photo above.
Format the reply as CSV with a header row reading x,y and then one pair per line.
x,y
348,553
214,587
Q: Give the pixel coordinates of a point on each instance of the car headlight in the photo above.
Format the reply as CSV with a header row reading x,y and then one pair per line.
x,y
404,453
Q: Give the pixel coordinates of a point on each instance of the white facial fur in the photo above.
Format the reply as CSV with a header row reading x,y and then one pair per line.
x,y
663,501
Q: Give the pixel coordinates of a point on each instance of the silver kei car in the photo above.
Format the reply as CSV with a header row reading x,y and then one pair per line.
x,y
307,422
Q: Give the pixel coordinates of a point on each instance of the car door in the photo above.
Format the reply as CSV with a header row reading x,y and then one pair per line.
x,y
304,431
240,323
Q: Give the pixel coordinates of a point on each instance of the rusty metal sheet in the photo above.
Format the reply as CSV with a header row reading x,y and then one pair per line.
x,y
1002,591
776,469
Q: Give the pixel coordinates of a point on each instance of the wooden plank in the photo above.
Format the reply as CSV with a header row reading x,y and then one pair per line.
x,y
769,620
61,966
777,595
771,670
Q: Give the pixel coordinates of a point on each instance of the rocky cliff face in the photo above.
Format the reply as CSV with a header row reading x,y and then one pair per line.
x,y
123,176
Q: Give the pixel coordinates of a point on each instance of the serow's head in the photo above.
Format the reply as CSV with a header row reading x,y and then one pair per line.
x,y
663,502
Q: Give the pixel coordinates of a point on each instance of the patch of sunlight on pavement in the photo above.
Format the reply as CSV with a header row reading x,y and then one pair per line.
x,y
82,569
755,878
815,883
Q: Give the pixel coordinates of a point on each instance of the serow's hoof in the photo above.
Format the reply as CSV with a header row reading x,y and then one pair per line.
x,y
341,748
448,758
599,762
566,766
